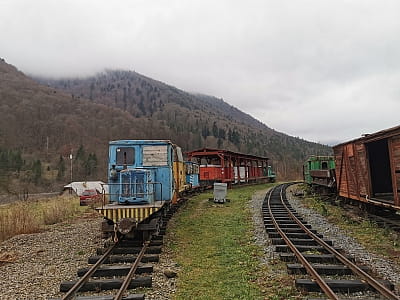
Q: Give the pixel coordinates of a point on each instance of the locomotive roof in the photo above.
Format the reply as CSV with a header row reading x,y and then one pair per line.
x,y
320,157
155,142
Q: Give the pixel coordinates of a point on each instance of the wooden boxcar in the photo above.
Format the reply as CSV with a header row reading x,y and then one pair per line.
x,y
368,168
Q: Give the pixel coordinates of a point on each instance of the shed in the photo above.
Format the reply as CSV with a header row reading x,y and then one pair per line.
x,y
368,168
79,187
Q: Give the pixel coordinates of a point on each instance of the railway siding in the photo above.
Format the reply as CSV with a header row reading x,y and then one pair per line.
x,y
386,268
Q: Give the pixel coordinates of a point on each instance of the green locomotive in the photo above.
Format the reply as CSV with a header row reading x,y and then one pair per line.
x,y
320,170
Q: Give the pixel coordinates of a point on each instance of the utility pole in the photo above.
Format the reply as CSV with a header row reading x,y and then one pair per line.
x,y
70,158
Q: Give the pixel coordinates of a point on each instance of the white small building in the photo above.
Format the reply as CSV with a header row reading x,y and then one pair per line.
x,y
79,187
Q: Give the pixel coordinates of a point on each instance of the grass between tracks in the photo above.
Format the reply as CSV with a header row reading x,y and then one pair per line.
x,y
382,241
215,249
32,216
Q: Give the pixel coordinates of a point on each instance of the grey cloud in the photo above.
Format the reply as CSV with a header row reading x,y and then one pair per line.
x,y
323,70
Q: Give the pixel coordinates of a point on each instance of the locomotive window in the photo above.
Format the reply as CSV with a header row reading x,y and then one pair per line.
x,y
125,156
324,165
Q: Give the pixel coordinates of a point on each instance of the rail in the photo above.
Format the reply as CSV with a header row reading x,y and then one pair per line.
x,y
132,271
313,273
320,281
72,292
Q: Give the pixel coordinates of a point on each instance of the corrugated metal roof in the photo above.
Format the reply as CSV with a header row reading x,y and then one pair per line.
x,y
79,187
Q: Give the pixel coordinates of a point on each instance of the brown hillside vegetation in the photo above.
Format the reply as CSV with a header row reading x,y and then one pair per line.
x,y
42,124
194,120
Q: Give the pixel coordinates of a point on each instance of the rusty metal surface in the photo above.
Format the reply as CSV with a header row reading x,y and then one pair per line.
x,y
320,173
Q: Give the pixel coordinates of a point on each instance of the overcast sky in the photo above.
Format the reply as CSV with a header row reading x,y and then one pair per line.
x,y
325,71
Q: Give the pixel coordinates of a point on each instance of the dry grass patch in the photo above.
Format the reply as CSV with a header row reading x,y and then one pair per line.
x,y
32,216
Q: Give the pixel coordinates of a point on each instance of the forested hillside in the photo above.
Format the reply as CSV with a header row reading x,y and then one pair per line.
x,y
42,124
191,120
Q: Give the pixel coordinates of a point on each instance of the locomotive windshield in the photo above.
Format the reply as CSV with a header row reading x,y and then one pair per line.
x,y
125,156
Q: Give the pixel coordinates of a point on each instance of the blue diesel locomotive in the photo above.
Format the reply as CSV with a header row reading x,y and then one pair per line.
x,y
142,185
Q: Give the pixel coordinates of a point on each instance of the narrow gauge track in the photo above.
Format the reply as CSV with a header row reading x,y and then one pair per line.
x,y
383,218
390,221
111,264
289,233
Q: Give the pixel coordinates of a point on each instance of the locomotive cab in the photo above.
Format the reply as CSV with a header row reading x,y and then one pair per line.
x,y
141,186
140,171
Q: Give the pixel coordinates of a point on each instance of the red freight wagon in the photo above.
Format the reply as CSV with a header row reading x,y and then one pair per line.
x,y
227,166
368,169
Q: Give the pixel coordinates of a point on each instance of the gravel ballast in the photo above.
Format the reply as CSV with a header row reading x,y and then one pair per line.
x,y
43,260
39,262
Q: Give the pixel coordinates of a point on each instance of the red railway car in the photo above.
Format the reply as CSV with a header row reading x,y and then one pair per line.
x,y
229,167
368,169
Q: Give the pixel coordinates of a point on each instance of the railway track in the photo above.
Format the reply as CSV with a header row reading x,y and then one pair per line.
x,y
328,270
391,221
118,267
384,218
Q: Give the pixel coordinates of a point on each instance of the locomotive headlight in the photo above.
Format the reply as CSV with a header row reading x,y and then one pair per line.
x,y
113,173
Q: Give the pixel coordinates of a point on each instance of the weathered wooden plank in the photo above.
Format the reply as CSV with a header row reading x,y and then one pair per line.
x,y
322,269
338,285
113,259
110,271
107,284
130,250
110,297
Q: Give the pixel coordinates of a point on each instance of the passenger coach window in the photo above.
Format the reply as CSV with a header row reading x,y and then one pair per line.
x,y
125,156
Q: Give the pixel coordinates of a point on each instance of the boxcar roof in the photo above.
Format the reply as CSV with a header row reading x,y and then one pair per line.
x,y
386,133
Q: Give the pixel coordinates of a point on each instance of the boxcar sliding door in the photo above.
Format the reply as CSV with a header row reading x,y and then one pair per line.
x,y
394,150
381,176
